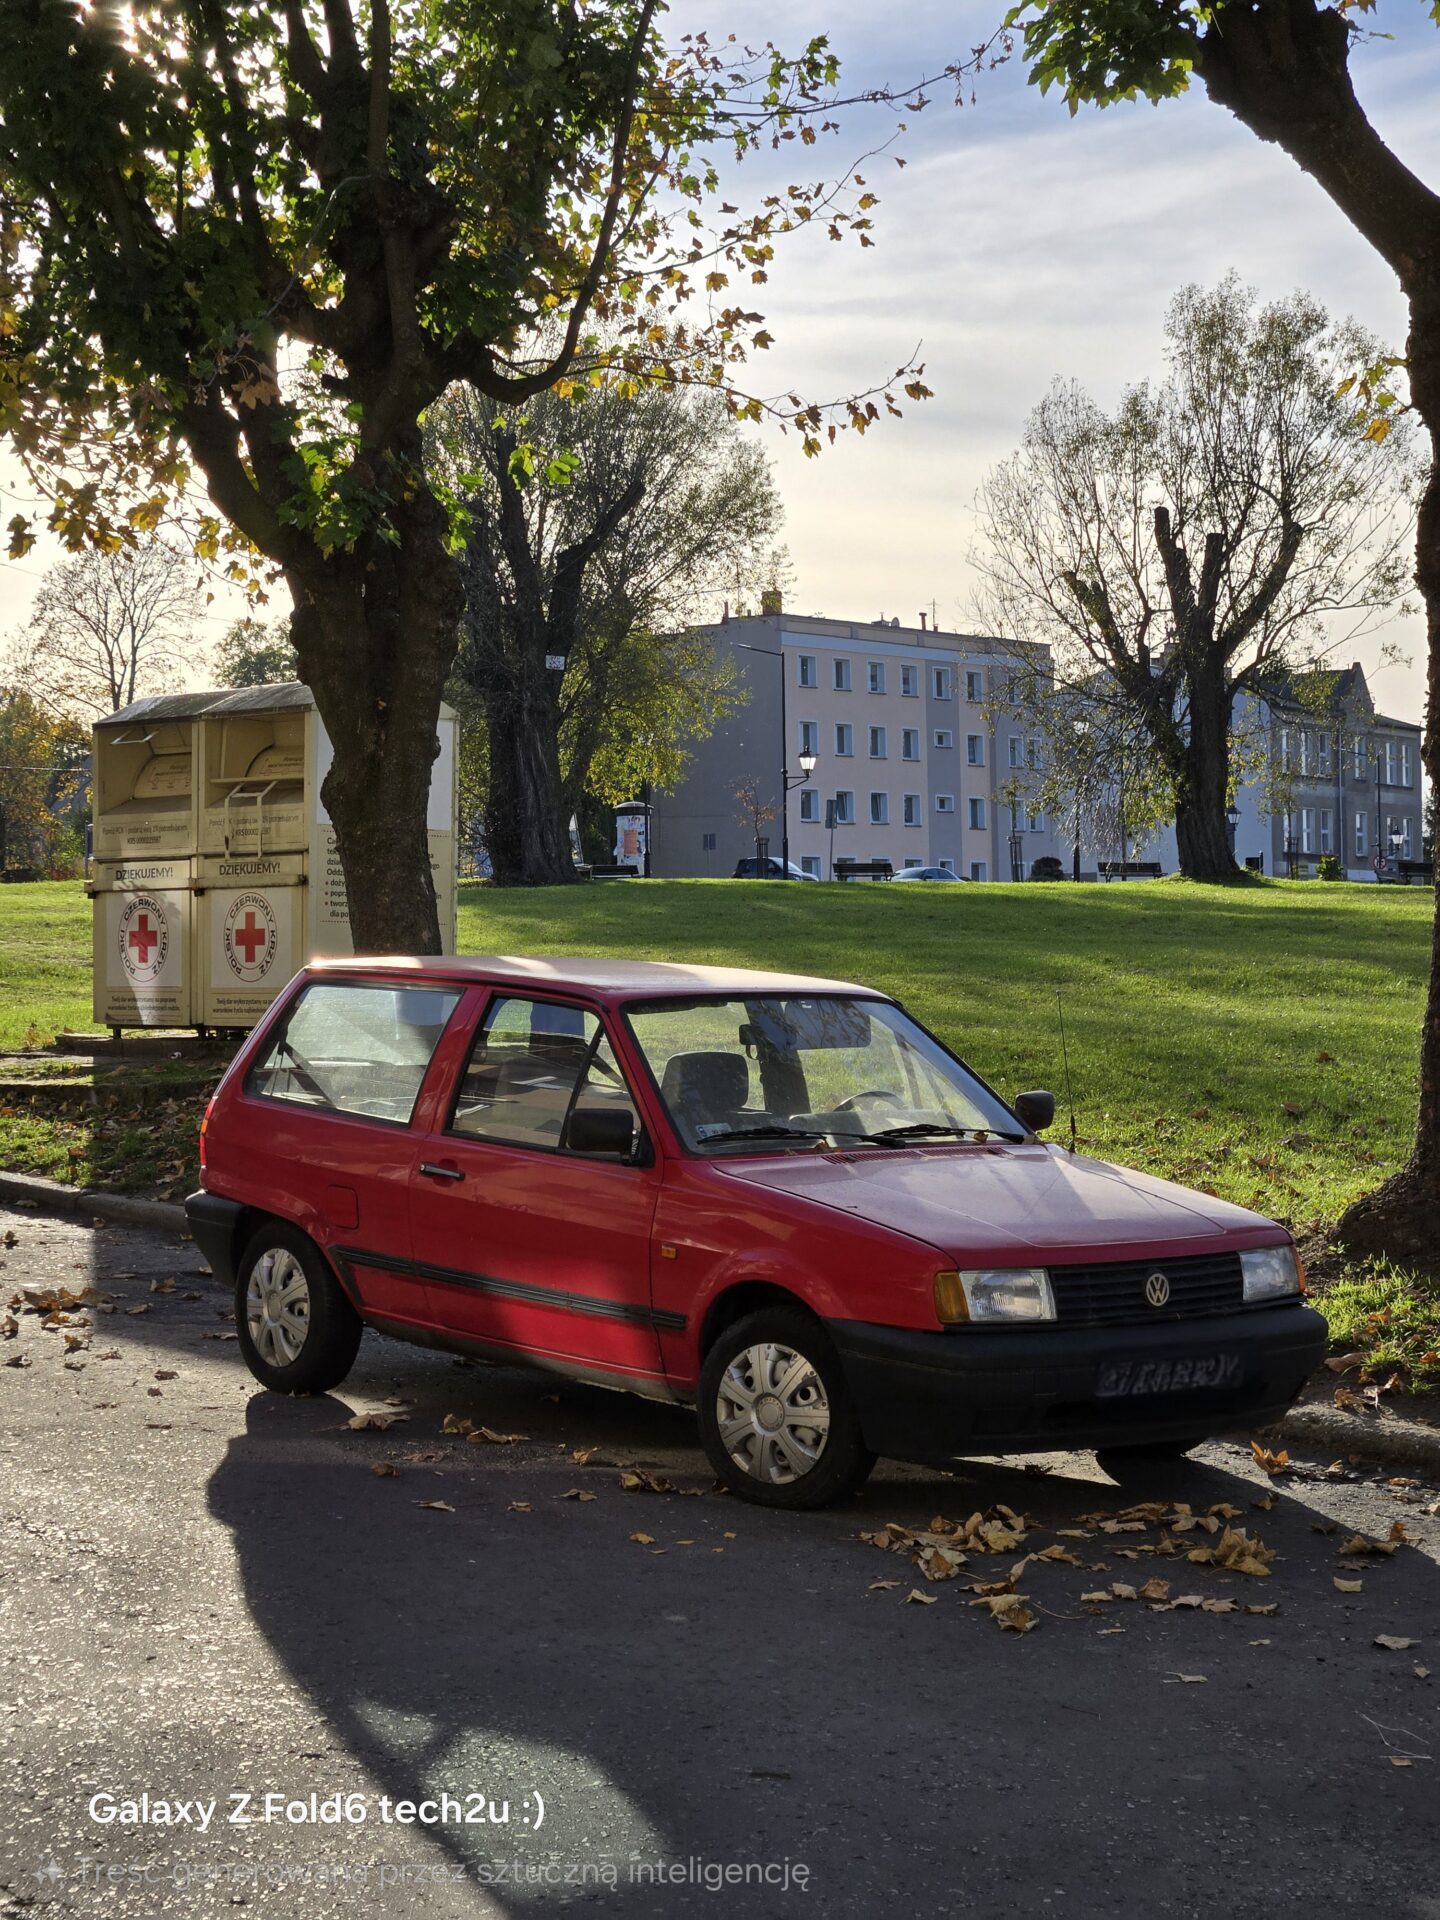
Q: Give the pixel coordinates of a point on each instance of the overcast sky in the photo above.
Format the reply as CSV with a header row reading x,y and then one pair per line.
x,y
1015,245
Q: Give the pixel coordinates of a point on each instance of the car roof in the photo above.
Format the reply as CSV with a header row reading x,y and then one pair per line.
x,y
604,978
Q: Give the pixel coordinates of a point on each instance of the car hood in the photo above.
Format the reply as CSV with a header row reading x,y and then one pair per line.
x,y
1012,1205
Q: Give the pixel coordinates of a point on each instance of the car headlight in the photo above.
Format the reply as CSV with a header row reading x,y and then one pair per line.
x,y
989,1294
1271,1273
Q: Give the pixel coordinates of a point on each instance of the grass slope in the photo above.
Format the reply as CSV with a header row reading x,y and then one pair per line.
x,y
1259,1041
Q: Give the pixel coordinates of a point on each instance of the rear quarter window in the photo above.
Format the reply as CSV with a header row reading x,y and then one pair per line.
x,y
352,1048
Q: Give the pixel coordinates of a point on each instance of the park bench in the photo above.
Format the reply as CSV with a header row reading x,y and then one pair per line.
x,y
864,869
1416,873
1130,870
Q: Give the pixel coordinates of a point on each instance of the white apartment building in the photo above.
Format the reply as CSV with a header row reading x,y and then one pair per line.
x,y
922,766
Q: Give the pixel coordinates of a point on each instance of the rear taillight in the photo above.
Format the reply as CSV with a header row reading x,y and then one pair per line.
x,y
204,1124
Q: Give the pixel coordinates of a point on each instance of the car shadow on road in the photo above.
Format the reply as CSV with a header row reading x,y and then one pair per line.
x,y
694,1681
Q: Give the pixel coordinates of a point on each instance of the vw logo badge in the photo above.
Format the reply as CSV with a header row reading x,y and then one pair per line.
x,y
1157,1289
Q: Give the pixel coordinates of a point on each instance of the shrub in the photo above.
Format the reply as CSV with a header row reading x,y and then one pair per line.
x,y
1329,867
1047,867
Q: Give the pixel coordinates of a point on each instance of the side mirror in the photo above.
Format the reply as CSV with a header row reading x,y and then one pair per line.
x,y
600,1130
1036,1109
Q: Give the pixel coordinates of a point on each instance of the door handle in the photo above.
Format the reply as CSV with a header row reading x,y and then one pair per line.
x,y
440,1173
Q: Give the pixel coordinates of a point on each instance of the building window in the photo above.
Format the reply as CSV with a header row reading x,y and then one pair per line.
x,y
910,744
1287,750
1307,829
1326,831
1017,750
1304,750
1405,848
977,812
1036,820
877,676
944,803
975,749
809,804
808,676
1289,831
707,843
1322,753
1407,765
1362,835
910,682
978,869
940,682
844,809
879,809
877,743
810,863
844,739
944,737
1358,765
912,810
948,865
974,686
1033,755
913,860
842,675
1392,764
810,736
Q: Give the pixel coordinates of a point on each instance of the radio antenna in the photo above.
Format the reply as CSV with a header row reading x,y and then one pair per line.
x,y
1065,1056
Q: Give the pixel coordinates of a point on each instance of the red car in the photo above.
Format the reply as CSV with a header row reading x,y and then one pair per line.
x,y
777,1199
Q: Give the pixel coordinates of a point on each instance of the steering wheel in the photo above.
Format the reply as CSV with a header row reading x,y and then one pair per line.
x,y
870,1093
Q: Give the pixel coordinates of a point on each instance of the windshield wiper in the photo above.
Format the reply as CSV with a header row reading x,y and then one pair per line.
x,y
927,1130
775,1132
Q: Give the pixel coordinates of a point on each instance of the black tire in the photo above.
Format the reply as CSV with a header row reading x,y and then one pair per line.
x,y
841,1460
1140,1456
320,1339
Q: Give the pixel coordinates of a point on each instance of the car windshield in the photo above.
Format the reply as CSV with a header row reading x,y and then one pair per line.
x,y
788,1073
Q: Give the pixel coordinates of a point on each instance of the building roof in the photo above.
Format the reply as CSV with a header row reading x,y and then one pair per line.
x,y
283,696
861,633
606,979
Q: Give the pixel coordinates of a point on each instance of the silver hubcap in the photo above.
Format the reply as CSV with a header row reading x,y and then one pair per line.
x,y
772,1412
277,1306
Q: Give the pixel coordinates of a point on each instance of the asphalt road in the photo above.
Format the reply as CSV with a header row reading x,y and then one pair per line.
x,y
208,1592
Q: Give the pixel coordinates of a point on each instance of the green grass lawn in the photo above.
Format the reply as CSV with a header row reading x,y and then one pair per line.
x,y
1259,1042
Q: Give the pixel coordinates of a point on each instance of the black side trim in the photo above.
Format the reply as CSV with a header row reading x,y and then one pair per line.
x,y
538,1296
650,1386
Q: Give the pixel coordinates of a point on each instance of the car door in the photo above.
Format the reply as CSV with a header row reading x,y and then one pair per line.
x,y
325,1115
527,1245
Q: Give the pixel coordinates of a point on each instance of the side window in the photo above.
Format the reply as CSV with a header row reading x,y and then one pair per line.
x,y
603,1089
355,1049
523,1070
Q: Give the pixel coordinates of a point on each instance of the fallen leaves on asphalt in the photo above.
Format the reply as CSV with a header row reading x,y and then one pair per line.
x,y
374,1422
1394,1642
435,1506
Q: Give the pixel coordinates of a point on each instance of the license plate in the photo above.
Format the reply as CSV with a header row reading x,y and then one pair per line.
x,y
1120,1378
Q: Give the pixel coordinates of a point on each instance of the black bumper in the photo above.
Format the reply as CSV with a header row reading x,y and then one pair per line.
x,y
932,1396
212,1223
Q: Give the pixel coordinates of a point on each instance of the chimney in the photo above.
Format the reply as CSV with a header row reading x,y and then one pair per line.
x,y
923,618
725,615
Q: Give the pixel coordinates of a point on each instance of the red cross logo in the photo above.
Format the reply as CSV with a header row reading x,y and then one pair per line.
x,y
142,937
249,938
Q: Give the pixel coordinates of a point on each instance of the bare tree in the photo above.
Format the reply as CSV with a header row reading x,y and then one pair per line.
x,y
754,811
1235,520
603,526
107,628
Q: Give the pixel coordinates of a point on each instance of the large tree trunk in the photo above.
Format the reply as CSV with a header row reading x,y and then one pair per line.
x,y
1402,1217
375,635
1203,790
526,826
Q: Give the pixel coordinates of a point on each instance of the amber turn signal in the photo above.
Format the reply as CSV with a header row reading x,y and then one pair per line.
x,y
951,1305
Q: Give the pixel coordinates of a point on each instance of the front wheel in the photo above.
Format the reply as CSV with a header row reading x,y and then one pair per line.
x,y
297,1331
776,1417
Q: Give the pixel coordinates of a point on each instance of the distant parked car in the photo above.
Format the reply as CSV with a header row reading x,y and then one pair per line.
x,y
771,869
775,1199
926,873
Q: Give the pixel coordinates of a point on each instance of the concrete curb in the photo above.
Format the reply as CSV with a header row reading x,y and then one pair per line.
x,y
1379,1438
56,1197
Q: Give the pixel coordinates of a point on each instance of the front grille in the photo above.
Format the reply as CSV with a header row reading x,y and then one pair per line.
x,y
1114,1294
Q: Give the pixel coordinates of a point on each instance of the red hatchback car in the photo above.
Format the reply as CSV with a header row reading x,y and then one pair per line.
x,y
774,1198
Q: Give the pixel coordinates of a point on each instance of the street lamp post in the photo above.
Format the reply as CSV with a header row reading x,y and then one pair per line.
x,y
788,781
1232,824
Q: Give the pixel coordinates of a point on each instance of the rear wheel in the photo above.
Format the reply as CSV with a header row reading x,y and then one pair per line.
x,y
298,1332
776,1416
